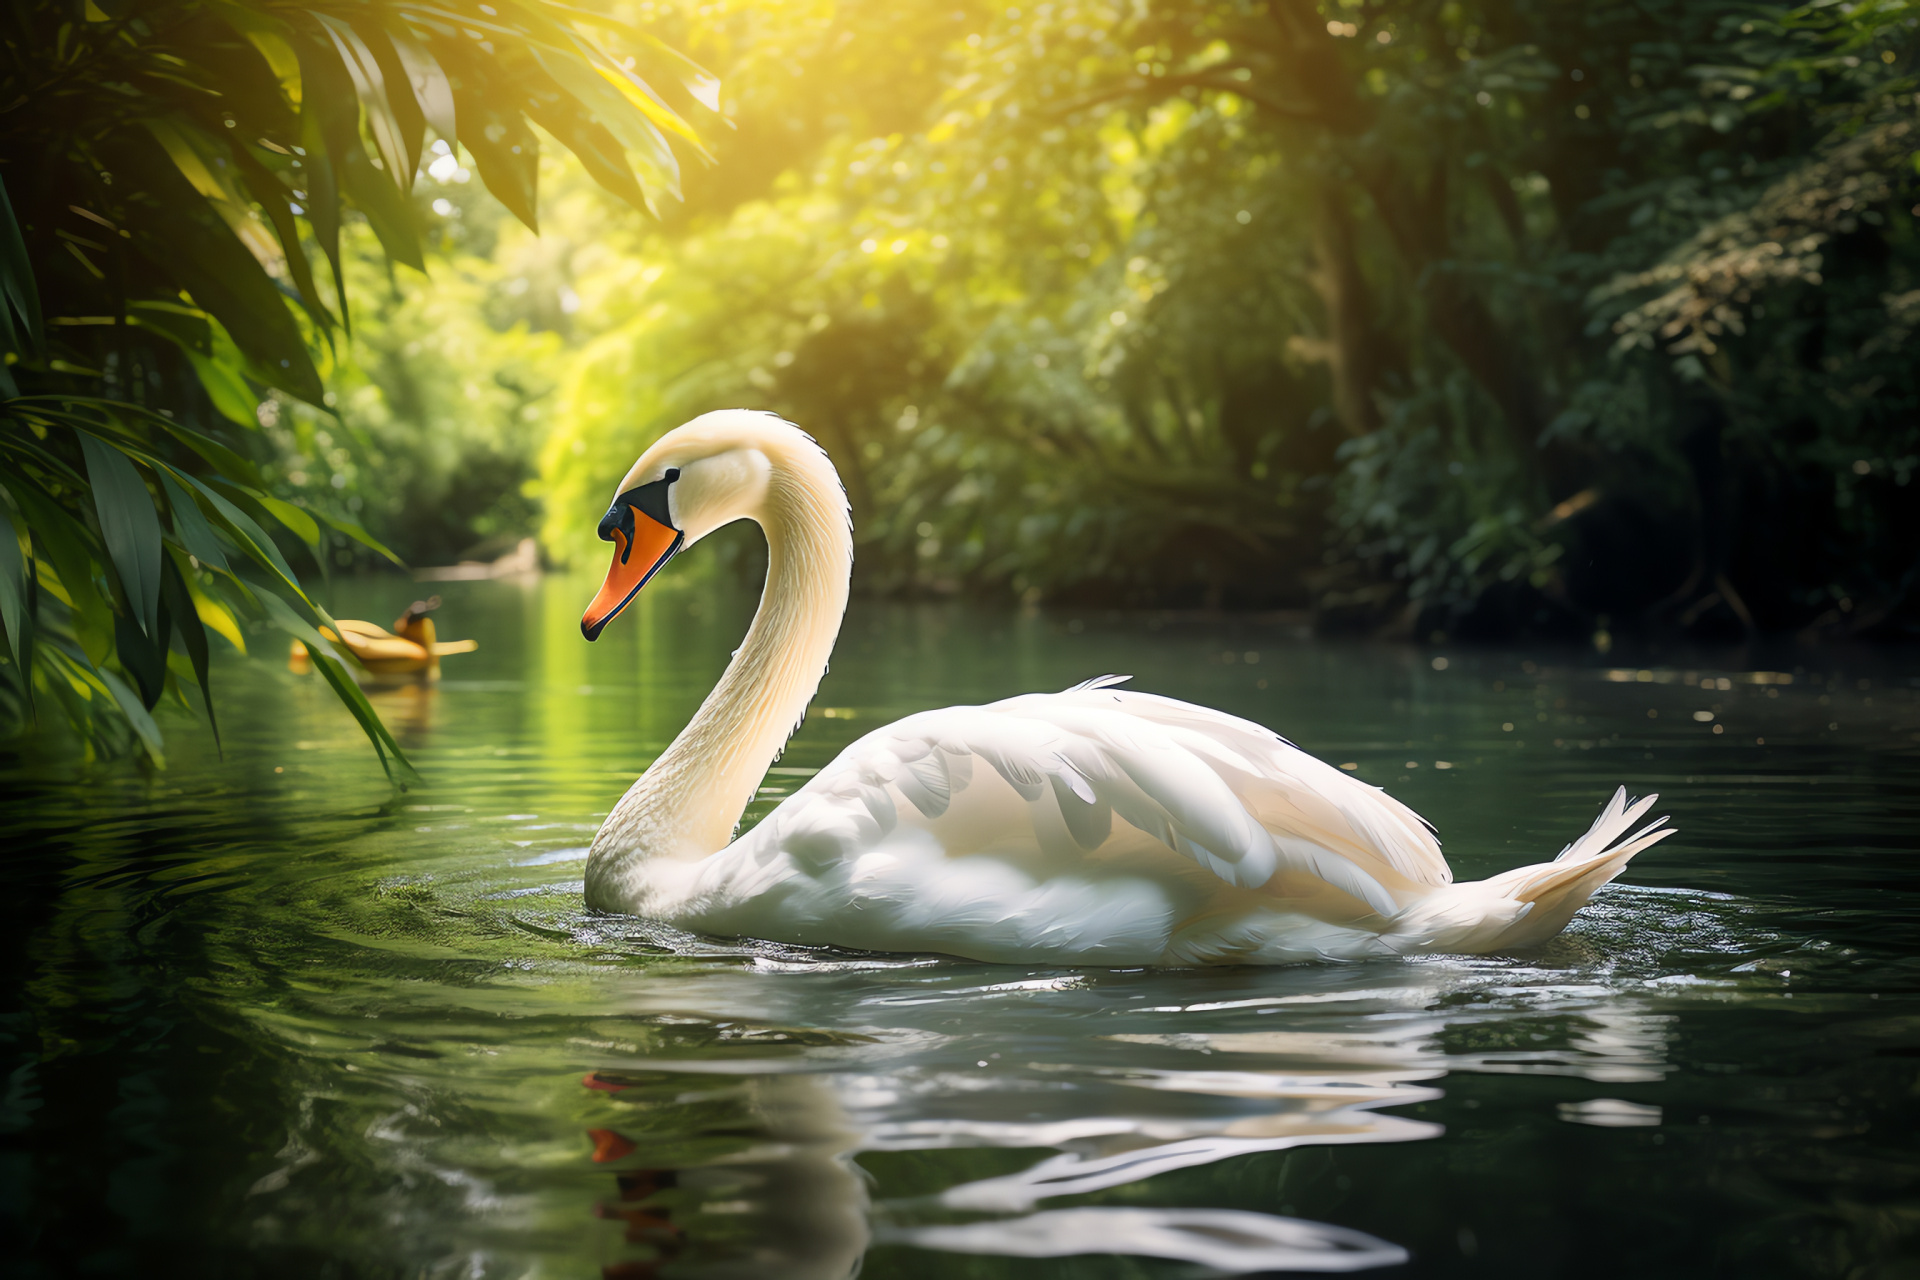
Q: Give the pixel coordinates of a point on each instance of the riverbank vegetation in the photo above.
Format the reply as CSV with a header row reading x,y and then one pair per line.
x,y
1475,318
1483,319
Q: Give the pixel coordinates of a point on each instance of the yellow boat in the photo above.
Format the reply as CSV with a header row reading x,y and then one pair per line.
x,y
411,648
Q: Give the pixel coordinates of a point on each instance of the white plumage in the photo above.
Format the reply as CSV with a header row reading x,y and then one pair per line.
x,y
1092,826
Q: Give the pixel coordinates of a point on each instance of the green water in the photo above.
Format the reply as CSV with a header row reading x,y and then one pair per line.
x,y
273,1018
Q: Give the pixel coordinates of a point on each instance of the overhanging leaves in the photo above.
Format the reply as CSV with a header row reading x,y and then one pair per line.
x,y
16,613
19,296
327,661
179,161
176,231
129,526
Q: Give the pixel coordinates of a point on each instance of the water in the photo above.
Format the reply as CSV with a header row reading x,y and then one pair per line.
x,y
272,1017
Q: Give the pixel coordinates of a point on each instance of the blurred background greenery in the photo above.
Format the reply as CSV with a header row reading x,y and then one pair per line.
x,y
1480,318
1462,318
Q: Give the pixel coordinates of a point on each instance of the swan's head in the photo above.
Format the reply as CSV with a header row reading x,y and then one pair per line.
x,y
696,478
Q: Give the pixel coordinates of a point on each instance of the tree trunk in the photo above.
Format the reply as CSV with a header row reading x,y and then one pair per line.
x,y
1416,216
1350,352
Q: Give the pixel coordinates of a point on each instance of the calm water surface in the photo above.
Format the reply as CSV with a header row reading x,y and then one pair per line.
x,y
272,1017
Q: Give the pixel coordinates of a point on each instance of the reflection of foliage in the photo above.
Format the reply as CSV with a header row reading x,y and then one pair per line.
x,y
173,170
1212,300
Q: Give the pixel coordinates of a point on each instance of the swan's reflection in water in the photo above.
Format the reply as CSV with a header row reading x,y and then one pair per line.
x,y
794,1204
782,1198
1225,1240
788,1197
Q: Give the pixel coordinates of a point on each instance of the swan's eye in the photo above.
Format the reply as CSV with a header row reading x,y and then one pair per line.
x,y
649,499
673,473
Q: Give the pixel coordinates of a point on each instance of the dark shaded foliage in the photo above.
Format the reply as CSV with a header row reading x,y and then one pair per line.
x,y
1495,317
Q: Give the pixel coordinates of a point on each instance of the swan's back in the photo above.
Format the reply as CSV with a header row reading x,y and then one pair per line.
x,y
1302,802
1094,824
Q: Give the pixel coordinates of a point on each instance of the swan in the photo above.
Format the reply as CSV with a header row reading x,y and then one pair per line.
x,y
1095,826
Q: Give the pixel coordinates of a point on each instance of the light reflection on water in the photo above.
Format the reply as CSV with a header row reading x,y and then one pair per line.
x,y
292,1021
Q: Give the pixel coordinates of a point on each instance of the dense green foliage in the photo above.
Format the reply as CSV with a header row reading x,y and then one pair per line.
x,y
176,173
1485,316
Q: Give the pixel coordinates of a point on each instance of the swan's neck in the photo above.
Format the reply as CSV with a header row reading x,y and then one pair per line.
x,y
686,805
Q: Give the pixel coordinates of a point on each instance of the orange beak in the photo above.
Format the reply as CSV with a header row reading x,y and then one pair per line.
x,y
641,545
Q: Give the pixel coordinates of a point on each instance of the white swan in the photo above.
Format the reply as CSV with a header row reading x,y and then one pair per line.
x,y
1092,826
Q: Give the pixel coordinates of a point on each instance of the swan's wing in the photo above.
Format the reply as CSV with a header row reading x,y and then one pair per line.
x,y
1223,792
1293,794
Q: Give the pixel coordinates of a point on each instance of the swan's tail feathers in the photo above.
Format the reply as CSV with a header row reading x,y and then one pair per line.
x,y
1098,682
1527,906
1614,821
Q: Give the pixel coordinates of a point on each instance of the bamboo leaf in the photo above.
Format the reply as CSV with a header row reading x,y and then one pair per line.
x,y
193,633
336,674
203,134
106,414
269,37
191,527
322,206
643,99
26,448
361,536
263,506
609,98
504,149
215,615
60,544
142,658
333,668
370,83
225,387
408,117
389,213
696,79
181,235
16,606
282,615
635,91
86,677
136,714
301,523
600,153
184,326
249,536
129,527
428,82
205,165
19,296
75,687
55,410
77,671
328,98
623,104
271,194
329,123
257,80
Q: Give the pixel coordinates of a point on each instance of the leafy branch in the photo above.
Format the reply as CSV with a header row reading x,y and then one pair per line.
x,y
169,171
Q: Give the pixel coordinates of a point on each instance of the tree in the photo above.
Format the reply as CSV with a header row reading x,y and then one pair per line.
x,y
1395,309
